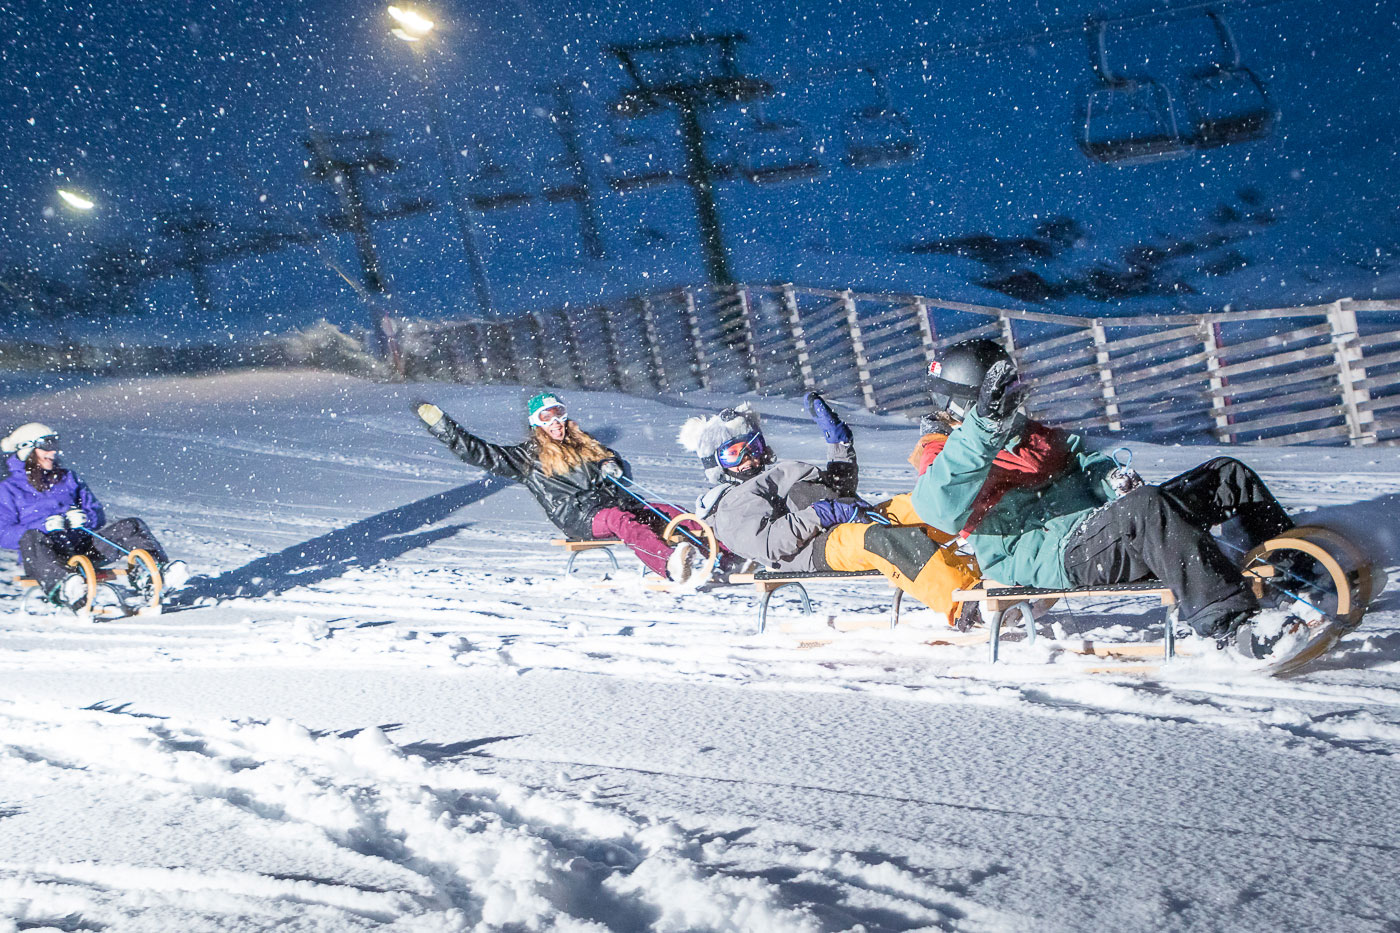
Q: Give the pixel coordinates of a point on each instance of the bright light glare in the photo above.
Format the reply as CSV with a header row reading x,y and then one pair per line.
x,y
411,25
73,199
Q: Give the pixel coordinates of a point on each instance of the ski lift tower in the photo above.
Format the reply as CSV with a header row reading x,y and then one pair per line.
x,y
689,76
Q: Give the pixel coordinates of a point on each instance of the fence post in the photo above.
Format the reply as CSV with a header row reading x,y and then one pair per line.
x,y
389,335
697,339
567,340
1110,394
653,338
1219,401
867,390
1351,373
930,338
1008,336
608,333
750,334
799,337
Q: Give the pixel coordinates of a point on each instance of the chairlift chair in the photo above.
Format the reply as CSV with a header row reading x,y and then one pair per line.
x,y
1125,119
777,151
879,135
1226,102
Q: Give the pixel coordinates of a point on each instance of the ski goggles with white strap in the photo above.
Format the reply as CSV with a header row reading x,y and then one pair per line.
x,y
47,443
732,452
547,416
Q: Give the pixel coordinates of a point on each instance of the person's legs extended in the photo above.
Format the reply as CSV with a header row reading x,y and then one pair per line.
x,y
1224,488
907,557
129,534
1144,536
639,532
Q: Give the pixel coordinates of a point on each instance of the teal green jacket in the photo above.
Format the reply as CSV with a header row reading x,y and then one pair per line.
x,y
1021,540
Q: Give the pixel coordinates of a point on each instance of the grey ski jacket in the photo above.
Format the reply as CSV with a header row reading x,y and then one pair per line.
x,y
770,518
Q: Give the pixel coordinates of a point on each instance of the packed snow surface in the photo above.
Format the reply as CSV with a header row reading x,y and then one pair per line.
x,y
382,707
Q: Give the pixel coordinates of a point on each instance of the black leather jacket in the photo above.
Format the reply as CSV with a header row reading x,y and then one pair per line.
x,y
569,499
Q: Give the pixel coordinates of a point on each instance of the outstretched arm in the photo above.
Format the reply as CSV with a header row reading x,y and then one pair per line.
x,y
842,472
512,462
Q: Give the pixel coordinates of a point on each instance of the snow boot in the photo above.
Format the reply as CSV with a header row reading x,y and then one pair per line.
x,y
175,575
681,569
970,615
71,592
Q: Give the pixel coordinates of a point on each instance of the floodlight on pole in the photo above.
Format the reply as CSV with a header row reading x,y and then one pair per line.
x,y
412,27
75,200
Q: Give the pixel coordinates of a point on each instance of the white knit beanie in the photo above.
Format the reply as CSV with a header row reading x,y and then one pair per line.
x,y
703,435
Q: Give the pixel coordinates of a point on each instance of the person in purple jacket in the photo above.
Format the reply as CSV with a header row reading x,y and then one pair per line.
x,y
48,514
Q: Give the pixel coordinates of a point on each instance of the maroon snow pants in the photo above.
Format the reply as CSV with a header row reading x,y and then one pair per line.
x,y
640,532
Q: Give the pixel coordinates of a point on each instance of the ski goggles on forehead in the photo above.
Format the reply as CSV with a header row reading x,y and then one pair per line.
x,y
732,453
547,416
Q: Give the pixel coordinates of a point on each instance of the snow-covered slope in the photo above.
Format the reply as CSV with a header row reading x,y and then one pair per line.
x,y
383,709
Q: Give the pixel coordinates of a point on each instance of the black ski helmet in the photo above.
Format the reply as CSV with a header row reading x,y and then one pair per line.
x,y
956,376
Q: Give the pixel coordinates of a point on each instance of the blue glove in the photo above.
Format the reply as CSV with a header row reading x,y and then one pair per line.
x,y
839,511
833,428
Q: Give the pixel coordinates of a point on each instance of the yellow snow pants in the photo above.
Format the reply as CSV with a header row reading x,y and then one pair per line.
x,y
912,556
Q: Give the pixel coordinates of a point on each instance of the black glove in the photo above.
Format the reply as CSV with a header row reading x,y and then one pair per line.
x,y
1002,392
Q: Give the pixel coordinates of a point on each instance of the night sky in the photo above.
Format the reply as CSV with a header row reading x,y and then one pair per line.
x,y
939,149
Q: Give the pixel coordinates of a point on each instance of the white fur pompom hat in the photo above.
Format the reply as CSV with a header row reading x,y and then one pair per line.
x,y
702,435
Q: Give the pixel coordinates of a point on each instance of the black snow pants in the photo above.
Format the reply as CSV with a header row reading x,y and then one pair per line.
x,y
45,556
1163,533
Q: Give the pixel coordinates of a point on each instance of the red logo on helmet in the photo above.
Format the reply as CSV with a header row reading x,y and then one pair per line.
x,y
935,368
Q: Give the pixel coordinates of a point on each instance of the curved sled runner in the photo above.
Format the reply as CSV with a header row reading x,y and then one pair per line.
x,y
138,561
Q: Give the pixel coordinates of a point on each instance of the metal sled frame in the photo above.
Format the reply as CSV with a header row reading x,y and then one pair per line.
x,y
768,582
994,600
1349,572
577,547
94,575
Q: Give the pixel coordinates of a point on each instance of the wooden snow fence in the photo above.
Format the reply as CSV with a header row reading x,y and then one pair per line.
x,y
1326,373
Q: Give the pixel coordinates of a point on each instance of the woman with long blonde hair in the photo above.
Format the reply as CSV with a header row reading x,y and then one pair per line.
x,y
572,476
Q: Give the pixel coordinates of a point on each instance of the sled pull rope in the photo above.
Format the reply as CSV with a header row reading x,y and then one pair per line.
x,y
114,544
616,481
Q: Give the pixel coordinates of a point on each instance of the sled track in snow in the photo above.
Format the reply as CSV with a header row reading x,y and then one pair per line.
x,y
422,833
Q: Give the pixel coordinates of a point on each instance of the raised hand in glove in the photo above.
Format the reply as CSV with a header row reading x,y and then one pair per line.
x,y
76,518
54,523
839,511
427,411
1001,393
833,428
